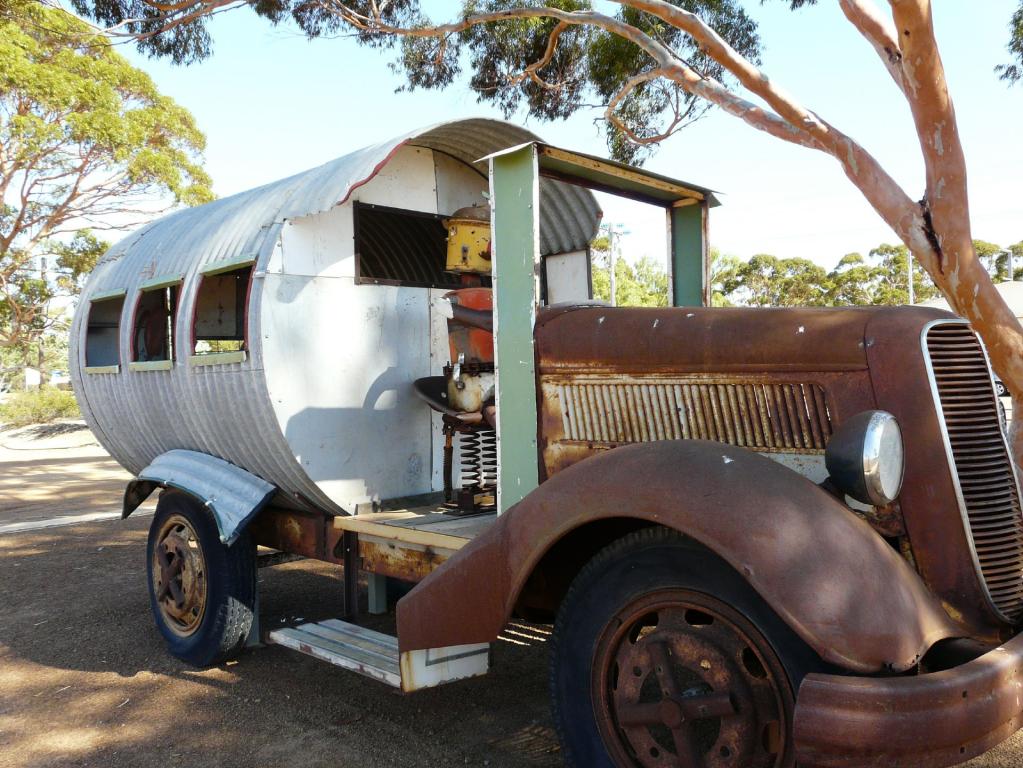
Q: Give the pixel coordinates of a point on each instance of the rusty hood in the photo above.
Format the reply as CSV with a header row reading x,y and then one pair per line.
x,y
717,339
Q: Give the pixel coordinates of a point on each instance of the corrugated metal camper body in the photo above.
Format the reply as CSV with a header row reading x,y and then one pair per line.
x,y
763,537
319,401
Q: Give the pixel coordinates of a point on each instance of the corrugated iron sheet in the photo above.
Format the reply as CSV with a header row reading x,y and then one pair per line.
x,y
226,411
233,494
762,416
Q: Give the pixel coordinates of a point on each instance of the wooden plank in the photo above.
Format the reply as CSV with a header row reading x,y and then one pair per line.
x,y
363,524
420,521
465,527
336,654
385,653
618,171
354,630
445,523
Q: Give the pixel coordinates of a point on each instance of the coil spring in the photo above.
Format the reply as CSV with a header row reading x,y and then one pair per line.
x,y
477,452
470,458
488,456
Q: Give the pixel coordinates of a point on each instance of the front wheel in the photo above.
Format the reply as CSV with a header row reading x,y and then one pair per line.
x,y
201,592
665,656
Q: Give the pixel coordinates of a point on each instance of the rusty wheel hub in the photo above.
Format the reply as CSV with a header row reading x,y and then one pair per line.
x,y
681,679
179,576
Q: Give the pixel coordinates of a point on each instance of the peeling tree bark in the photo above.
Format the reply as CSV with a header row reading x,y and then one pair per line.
x,y
960,275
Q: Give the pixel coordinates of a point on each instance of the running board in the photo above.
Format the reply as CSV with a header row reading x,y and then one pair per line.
x,y
376,655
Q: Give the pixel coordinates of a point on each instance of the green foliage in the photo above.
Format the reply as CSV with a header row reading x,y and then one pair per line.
x,y
589,66
76,259
1013,72
881,278
38,406
767,281
587,63
1017,256
84,137
644,284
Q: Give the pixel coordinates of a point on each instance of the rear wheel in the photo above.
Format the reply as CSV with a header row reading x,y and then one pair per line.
x,y
202,593
664,656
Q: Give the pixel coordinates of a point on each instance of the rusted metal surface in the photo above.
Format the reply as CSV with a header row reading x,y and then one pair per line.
x,y
782,414
408,562
612,377
179,576
985,476
931,720
773,380
939,540
680,678
761,415
349,547
700,340
295,532
848,594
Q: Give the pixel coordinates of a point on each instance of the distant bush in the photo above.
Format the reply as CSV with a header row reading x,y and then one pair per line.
x,y
38,406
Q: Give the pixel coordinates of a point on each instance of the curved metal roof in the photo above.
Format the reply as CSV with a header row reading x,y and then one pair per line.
x,y
226,228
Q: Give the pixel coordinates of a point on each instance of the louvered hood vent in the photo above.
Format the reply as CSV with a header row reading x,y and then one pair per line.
x,y
988,493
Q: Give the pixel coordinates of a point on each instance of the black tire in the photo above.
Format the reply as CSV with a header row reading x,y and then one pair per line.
x,y
225,582
645,566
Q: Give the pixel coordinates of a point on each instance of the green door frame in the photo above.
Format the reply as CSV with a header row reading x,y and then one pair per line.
x,y
515,177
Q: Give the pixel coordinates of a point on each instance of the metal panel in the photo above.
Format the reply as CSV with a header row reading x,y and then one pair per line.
x,y
911,721
825,572
226,410
762,416
985,479
233,495
567,278
689,254
514,194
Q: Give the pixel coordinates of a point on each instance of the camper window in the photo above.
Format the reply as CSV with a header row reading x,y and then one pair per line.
x,y
102,332
398,247
152,339
219,323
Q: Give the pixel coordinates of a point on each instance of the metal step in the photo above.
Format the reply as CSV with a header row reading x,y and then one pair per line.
x,y
361,650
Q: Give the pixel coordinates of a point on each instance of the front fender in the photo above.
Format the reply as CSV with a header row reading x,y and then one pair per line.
x,y
824,571
232,494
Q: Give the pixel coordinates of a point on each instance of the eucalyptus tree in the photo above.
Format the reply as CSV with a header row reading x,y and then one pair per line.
x,y
87,143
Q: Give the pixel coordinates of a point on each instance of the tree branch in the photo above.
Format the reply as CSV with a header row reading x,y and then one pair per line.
x,y
882,191
532,70
863,15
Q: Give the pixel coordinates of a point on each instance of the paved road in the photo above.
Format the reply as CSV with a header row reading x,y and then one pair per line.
x,y
84,680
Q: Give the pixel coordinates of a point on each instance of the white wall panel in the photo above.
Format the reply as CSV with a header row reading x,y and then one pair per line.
x,y
568,277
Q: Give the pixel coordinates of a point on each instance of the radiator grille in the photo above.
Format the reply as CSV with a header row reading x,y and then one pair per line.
x,y
765,417
990,497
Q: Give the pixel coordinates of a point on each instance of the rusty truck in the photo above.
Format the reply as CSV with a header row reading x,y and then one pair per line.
x,y
762,537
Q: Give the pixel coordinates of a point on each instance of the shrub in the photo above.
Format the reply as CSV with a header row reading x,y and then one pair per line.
x,y
38,406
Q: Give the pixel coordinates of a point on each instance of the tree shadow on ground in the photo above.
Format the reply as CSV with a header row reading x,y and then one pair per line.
x,y
85,678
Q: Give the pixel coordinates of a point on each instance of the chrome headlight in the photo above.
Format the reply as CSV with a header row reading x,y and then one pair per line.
x,y
866,459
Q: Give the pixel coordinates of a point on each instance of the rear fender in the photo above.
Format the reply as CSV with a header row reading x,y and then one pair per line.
x,y
824,571
233,495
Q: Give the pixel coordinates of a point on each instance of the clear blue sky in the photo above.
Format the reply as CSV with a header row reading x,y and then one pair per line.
x,y
273,103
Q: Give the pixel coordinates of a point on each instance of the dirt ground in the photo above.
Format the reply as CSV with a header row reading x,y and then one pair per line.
x,y
84,680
